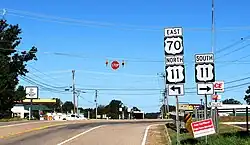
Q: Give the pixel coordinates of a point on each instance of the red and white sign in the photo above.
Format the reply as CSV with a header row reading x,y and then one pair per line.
x,y
219,86
216,97
115,65
203,128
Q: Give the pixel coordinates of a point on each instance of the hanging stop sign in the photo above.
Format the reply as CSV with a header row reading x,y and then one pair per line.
x,y
115,65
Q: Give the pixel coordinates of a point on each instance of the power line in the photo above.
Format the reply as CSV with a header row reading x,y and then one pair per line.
x,y
233,44
57,87
87,100
235,50
42,87
57,80
43,17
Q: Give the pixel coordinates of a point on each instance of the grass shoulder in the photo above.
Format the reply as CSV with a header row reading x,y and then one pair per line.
x,y
157,135
12,119
227,135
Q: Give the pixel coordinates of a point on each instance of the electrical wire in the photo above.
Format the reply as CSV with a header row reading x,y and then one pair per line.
x,y
233,44
57,80
71,21
87,100
45,84
43,87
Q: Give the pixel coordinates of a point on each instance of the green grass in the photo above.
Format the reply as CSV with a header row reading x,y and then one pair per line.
x,y
228,135
11,119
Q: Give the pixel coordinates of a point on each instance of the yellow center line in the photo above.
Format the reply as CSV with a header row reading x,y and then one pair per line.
x,y
30,130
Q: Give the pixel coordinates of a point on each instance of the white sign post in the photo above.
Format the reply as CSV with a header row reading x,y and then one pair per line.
x,y
31,93
175,70
204,76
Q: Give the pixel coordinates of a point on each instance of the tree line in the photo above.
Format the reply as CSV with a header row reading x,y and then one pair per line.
x,y
111,110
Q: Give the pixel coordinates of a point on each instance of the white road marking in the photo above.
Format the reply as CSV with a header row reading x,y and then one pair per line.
x,y
74,137
146,134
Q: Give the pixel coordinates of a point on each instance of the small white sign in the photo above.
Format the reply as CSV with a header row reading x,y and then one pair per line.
x,y
216,97
216,104
219,86
175,74
176,90
31,92
203,128
204,58
170,32
175,60
205,89
204,73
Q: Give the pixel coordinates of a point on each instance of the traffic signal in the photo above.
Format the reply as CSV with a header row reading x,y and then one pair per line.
x,y
123,63
107,62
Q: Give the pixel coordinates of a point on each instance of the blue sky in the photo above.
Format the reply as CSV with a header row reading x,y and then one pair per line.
x,y
130,30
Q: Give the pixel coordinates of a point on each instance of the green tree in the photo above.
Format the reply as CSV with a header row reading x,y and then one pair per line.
x,y
81,110
102,109
12,64
247,96
231,101
113,109
67,107
135,109
57,107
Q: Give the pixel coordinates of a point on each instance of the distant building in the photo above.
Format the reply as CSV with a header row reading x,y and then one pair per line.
x,y
138,115
21,108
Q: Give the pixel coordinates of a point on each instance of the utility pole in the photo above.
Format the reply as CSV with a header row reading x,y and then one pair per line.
x,y
213,115
165,97
74,90
96,104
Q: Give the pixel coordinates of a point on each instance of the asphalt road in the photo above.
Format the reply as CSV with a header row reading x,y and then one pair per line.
x,y
96,133
15,122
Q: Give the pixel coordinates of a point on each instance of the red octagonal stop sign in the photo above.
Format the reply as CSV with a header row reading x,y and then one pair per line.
x,y
115,65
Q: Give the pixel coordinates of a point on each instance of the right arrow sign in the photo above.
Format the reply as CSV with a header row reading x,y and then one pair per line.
x,y
205,89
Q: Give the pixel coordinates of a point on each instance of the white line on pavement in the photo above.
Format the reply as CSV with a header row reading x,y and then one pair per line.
x,y
74,137
146,134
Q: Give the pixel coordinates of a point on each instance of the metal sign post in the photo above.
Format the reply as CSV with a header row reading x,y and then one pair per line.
x,y
174,67
205,113
177,121
31,93
204,77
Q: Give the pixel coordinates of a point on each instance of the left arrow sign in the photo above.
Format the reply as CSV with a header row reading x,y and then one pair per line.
x,y
176,89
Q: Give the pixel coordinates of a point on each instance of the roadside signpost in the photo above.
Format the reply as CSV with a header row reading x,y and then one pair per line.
x,y
31,93
205,76
203,128
216,97
174,67
205,89
176,90
219,86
